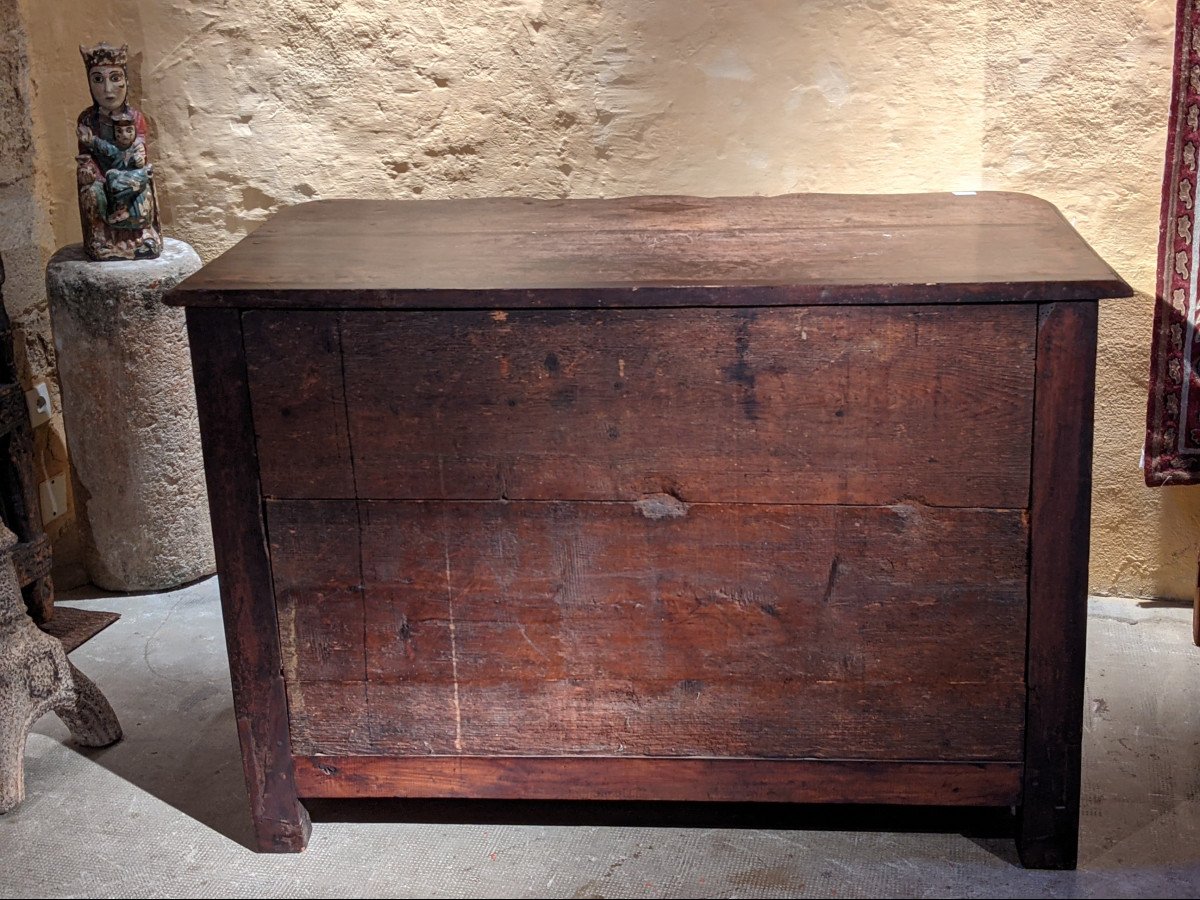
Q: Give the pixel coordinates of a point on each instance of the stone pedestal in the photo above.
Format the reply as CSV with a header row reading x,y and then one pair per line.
x,y
130,414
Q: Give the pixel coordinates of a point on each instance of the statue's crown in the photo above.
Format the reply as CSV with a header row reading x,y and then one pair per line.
x,y
104,55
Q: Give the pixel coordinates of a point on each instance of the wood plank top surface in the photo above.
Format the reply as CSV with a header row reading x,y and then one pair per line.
x,y
800,249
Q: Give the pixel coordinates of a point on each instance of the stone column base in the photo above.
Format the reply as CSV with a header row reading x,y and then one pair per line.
x,y
129,408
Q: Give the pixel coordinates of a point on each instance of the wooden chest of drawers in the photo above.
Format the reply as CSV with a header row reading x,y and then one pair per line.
x,y
658,498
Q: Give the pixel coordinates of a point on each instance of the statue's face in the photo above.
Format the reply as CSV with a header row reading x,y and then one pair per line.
x,y
108,86
125,135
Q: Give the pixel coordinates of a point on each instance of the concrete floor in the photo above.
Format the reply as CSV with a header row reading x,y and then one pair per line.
x,y
164,812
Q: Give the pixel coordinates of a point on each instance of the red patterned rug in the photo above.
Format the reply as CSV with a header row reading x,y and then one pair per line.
x,y
1173,411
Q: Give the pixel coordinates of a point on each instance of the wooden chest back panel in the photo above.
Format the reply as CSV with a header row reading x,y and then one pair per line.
x,y
796,405
655,498
641,718
651,628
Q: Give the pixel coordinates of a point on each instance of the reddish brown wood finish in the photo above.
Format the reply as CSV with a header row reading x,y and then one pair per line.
x,y
294,361
552,515
1196,610
316,561
247,596
660,717
558,778
641,252
818,405
653,628
1060,517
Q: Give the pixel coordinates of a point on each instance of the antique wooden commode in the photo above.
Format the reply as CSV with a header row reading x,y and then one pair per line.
x,y
655,498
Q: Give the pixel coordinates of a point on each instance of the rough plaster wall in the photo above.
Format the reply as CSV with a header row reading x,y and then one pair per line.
x,y
26,243
256,105
1077,98
261,103
776,96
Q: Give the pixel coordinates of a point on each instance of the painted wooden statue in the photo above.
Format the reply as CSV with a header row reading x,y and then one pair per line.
x,y
117,205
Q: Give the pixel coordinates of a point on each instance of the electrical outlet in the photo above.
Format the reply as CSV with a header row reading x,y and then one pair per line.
x,y
38,401
54,498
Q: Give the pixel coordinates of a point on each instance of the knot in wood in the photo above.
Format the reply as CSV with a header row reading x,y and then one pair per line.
x,y
662,506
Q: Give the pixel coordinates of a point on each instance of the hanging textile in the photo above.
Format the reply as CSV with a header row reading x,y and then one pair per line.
x,y
1173,409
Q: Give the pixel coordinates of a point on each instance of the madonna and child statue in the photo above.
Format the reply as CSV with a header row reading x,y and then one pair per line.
x,y
117,205
122,354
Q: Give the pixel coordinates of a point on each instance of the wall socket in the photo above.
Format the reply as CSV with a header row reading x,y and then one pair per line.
x,y
53,494
38,401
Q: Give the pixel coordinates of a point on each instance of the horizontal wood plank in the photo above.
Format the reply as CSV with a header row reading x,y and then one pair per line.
x,y
927,404
559,778
665,717
299,403
655,627
316,562
657,251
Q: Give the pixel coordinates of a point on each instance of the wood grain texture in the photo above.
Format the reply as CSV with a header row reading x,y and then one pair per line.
x,y
657,251
600,499
18,483
317,565
663,717
247,600
1048,833
558,778
659,628
791,406
33,559
302,432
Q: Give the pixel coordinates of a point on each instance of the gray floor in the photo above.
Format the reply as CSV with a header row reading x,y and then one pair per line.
x,y
164,812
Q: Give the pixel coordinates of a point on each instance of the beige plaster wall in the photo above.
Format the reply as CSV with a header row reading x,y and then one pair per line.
x,y
257,104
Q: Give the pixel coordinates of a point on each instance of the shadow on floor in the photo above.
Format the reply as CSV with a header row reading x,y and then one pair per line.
x,y
163,668
196,770
991,829
202,778
1164,604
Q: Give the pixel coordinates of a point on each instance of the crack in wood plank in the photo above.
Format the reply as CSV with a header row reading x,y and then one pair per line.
x,y
458,730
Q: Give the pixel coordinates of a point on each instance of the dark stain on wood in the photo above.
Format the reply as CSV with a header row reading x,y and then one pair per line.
x,y
247,593
607,499
741,372
853,414
1048,832
831,581
575,628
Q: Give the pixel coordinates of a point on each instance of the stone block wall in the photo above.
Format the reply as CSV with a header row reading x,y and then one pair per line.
x,y
27,241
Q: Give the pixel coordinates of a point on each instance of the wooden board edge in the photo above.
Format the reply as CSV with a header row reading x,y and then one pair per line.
x,y
602,296
1060,509
661,779
281,824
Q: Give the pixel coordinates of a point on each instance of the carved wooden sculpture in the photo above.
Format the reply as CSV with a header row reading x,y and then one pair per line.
x,y
18,485
117,206
36,678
